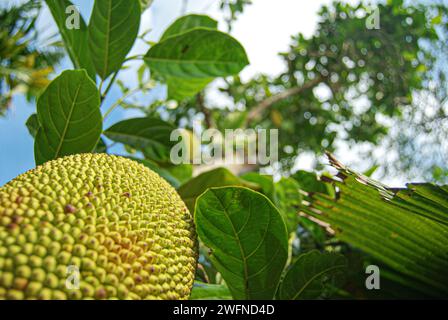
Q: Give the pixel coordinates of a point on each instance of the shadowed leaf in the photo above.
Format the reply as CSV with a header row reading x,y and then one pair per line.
x,y
248,239
307,277
69,116
33,125
150,135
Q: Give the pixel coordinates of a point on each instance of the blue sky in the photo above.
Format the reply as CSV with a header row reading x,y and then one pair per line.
x,y
261,40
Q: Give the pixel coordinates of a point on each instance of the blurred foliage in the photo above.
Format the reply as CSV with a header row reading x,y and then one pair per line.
x,y
25,64
343,80
420,135
439,174
347,83
232,9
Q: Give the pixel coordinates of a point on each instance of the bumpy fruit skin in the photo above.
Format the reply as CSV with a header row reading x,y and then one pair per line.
x,y
119,224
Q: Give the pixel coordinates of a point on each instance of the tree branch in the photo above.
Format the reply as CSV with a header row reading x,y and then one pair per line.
x,y
256,112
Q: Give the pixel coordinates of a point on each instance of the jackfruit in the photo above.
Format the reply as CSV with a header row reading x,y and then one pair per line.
x,y
94,226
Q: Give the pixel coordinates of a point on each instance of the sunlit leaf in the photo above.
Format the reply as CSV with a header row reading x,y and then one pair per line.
x,y
187,23
179,88
113,29
199,53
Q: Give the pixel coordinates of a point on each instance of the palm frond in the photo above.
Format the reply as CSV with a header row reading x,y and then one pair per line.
x,y
406,229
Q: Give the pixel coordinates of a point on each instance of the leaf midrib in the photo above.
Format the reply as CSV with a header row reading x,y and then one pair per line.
x,y
64,132
245,267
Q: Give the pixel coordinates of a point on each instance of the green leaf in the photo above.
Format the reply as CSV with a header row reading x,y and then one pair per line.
x,y
207,291
187,23
218,177
165,174
284,194
180,89
150,135
69,116
75,40
248,239
308,276
113,29
33,125
406,229
199,53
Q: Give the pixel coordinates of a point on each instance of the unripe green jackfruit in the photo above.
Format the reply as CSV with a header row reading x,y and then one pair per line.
x,y
94,226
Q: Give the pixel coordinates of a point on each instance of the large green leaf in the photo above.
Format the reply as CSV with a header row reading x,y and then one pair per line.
x,y
404,229
150,135
308,276
69,116
207,291
187,23
218,177
199,53
247,237
75,39
113,29
179,88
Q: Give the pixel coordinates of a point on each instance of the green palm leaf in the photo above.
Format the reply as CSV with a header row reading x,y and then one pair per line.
x,y
406,229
